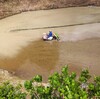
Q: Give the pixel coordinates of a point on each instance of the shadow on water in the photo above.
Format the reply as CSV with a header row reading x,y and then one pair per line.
x,y
38,58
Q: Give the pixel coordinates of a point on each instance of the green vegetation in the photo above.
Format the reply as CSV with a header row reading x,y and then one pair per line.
x,y
8,91
60,86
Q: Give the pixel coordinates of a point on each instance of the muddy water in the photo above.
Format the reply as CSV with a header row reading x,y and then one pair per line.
x,y
23,53
38,58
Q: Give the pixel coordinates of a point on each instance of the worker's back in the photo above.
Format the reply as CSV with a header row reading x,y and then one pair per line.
x,y
50,34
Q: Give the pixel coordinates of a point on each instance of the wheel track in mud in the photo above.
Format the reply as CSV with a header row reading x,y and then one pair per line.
x,y
60,26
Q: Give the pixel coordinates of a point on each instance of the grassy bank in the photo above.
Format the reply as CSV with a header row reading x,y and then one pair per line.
x,y
60,86
11,7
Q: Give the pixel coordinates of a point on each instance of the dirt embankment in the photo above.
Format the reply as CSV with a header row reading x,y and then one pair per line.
x,y
7,76
10,7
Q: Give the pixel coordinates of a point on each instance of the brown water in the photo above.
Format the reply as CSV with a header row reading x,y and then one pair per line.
x,y
25,54
46,57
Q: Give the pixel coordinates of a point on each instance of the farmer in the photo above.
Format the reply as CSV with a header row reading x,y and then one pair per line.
x,y
56,36
45,36
50,36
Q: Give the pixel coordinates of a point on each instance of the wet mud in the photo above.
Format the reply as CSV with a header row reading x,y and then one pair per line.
x,y
25,54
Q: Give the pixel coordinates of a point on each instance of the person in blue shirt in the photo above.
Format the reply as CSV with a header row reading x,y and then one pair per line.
x,y
50,35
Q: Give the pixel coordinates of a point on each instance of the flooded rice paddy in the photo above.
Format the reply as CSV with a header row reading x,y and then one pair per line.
x,y
25,54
